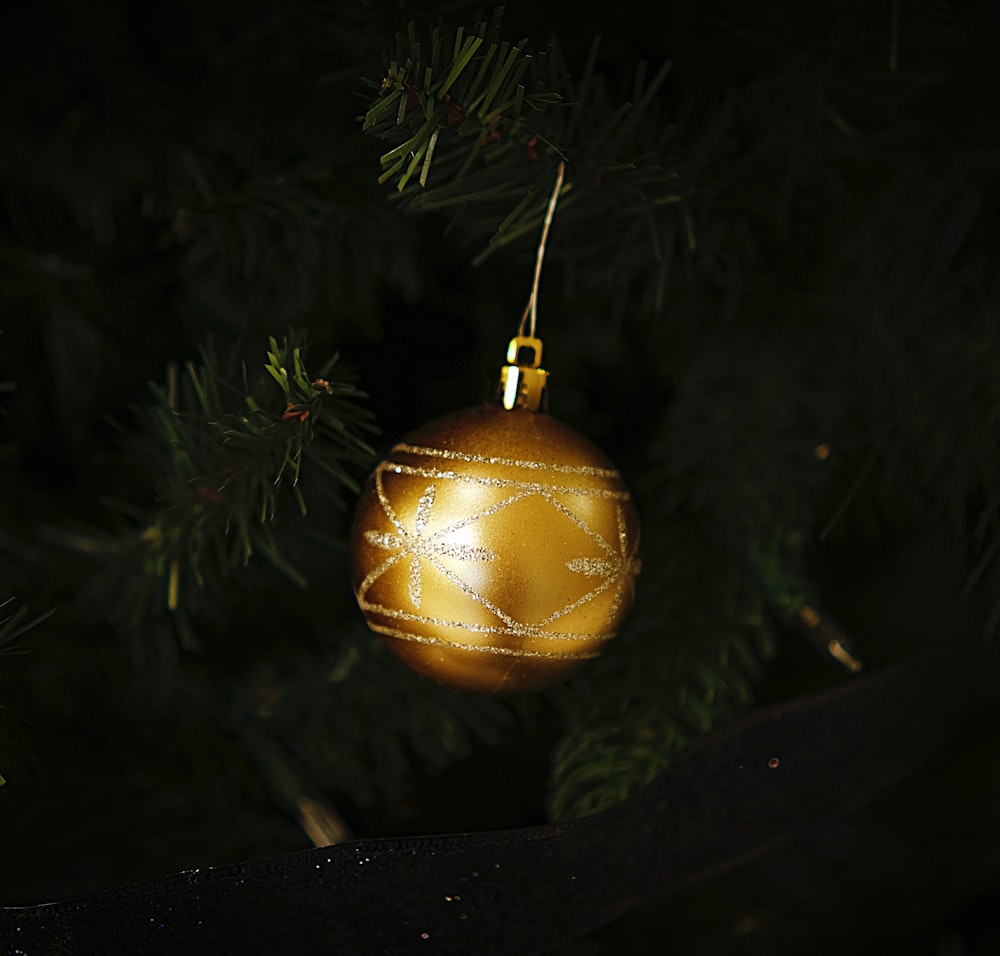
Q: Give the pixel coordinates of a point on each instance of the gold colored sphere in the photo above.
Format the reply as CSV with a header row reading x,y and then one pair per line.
x,y
495,550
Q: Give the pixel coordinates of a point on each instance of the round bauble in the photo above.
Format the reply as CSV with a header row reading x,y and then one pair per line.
x,y
495,549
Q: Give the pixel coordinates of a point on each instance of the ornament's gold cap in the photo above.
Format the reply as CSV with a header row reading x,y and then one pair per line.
x,y
523,382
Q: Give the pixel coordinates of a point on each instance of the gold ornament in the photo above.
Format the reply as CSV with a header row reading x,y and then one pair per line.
x,y
495,548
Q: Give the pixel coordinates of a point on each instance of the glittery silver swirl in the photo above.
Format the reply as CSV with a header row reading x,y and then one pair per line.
x,y
517,630
578,521
509,462
424,506
597,562
415,582
485,648
618,568
591,567
418,545
589,596
615,567
535,487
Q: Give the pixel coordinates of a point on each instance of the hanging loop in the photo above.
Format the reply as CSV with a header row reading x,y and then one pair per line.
x,y
523,381
529,320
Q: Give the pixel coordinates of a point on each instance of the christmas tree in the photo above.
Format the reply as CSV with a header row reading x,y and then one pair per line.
x,y
246,249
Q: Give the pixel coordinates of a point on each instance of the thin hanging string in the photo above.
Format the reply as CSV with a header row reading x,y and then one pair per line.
x,y
531,309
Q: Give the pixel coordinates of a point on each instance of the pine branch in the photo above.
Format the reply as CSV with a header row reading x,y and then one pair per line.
x,y
12,626
732,484
748,463
297,239
224,461
685,663
292,790
690,665
478,125
459,101
372,723
794,600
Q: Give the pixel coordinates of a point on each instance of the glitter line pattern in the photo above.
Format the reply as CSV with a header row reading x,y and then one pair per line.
x,y
418,545
534,487
448,455
616,566
485,648
518,630
620,567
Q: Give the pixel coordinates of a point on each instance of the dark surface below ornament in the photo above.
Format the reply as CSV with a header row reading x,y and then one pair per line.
x,y
734,794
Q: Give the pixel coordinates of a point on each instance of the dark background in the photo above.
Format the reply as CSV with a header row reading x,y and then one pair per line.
x,y
146,155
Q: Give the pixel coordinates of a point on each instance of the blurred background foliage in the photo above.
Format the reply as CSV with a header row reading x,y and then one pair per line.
x,y
770,295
